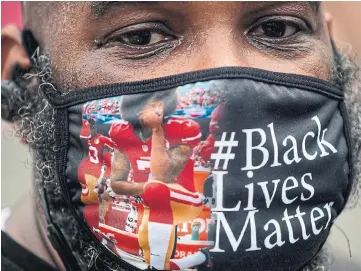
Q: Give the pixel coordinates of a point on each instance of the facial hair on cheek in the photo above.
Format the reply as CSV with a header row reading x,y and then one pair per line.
x,y
36,123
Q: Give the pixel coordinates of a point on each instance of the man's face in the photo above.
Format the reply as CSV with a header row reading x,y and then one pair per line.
x,y
111,42
92,43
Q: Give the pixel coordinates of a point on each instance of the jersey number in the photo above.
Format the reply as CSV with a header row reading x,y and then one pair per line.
x,y
93,155
143,165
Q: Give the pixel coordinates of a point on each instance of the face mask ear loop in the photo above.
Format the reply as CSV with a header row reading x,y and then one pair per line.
x,y
57,239
334,48
29,42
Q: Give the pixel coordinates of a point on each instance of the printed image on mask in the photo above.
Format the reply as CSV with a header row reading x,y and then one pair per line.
x,y
169,225
223,174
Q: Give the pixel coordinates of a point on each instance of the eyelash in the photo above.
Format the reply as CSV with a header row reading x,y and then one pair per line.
x,y
153,27
301,26
133,51
136,51
289,46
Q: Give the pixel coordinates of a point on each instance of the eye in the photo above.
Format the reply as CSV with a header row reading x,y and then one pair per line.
x,y
275,29
140,41
144,37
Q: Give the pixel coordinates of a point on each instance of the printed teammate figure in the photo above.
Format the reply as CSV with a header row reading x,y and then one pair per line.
x,y
158,149
205,150
98,146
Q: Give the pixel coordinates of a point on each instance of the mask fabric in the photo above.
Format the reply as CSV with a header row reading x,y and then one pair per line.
x,y
222,169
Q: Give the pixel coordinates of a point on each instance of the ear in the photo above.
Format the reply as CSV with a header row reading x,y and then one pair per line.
x,y
12,51
329,23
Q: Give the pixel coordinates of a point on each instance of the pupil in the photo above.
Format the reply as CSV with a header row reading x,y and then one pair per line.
x,y
139,37
274,29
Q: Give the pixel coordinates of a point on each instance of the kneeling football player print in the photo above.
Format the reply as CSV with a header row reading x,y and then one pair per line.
x,y
159,216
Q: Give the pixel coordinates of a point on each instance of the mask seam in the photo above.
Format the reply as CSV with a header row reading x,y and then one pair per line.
x,y
97,92
350,158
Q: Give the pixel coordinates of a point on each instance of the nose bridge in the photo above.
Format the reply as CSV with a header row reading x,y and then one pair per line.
x,y
220,50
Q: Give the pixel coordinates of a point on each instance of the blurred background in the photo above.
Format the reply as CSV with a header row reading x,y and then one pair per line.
x,y
345,239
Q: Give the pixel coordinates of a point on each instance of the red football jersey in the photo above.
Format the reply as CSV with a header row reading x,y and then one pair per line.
x,y
91,215
177,131
207,148
215,118
96,145
85,129
116,216
89,168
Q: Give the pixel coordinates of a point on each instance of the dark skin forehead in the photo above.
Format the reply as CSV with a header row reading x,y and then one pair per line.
x,y
85,40
100,8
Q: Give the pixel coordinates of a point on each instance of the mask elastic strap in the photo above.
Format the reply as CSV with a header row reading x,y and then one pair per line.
x,y
29,42
57,239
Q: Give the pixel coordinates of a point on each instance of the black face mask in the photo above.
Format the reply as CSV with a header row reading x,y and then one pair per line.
x,y
224,169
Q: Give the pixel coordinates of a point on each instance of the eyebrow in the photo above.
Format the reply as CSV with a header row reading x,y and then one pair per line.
x,y
100,8
315,5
